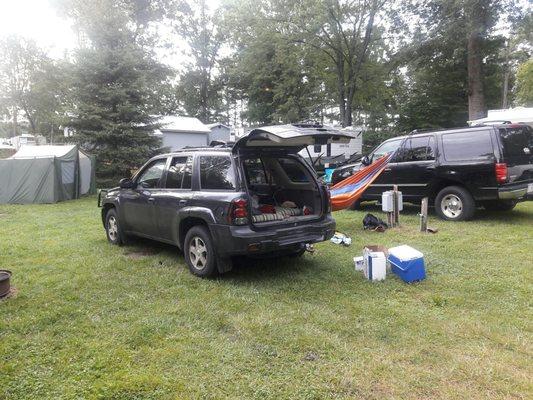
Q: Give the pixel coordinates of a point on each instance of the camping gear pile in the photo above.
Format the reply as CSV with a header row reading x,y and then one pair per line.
x,y
404,261
46,174
269,212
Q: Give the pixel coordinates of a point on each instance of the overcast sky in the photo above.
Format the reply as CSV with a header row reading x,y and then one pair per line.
x,y
38,20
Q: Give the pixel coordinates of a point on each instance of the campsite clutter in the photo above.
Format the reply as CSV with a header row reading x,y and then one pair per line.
x,y
404,261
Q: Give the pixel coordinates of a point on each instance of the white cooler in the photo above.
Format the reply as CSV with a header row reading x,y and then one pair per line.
x,y
375,265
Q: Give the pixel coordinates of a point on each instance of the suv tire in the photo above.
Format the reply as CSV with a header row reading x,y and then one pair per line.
x,y
499,205
199,252
455,203
113,228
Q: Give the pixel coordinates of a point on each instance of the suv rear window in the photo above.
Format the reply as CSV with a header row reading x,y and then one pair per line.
x,y
466,146
515,140
216,173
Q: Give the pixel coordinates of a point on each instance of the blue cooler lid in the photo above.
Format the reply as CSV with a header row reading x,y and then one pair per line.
x,y
405,253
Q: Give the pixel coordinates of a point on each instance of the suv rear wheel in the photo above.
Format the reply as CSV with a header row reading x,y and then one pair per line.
x,y
200,252
455,203
499,205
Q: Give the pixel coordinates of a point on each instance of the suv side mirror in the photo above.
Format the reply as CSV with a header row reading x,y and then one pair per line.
x,y
366,160
126,183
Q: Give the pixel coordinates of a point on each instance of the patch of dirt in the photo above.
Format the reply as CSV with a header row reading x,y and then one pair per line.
x,y
138,255
13,292
310,356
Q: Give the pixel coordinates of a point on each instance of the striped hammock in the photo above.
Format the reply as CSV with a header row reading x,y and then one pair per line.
x,y
346,192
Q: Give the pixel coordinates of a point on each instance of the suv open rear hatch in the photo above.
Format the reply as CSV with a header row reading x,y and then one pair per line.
x,y
308,198
292,138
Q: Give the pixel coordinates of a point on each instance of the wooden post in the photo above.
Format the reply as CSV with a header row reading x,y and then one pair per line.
x,y
424,215
396,206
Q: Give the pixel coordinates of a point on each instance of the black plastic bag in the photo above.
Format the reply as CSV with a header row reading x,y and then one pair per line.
x,y
374,223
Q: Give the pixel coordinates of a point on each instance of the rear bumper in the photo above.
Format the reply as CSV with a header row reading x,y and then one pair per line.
x,y
515,192
241,240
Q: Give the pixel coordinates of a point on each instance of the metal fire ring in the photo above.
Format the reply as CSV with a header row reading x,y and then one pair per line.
x,y
5,285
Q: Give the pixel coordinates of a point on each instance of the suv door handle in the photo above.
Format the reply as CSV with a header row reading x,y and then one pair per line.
x,y
182,202
431,167
151,200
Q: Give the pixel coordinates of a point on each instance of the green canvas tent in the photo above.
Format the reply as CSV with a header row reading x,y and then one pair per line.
x,y
46,174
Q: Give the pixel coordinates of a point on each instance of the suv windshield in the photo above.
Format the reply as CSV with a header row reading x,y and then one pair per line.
x,y
385,148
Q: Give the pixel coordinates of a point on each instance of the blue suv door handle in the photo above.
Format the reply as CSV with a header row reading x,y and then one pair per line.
x,y
182,202
151,200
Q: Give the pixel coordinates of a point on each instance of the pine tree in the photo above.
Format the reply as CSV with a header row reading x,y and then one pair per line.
x,y
115,85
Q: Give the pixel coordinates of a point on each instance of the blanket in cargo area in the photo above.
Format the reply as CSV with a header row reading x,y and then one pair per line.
x,y
348,191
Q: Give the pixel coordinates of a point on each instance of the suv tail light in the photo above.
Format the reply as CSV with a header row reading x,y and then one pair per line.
x,y
501,172
239,212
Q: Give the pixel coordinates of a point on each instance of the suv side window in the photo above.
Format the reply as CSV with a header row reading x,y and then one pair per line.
x,y
180,167
151,176
417,149
255,171
294,171
216,173
467,146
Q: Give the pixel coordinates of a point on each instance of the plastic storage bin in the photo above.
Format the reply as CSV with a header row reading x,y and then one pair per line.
x,y
407,263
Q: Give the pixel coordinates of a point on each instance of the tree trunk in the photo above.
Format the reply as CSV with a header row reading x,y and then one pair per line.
x,y
341,90
506,76
476,96
15,122
348,114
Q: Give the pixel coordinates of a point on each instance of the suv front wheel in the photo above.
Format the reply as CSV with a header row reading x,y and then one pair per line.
x,y
454,203
199,252
113,229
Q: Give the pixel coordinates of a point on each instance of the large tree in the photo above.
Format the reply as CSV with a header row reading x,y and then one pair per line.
x,y
115,87
200,87
22,74
472,24
344,31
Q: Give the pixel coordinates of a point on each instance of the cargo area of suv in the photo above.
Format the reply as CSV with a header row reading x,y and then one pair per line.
x,y
281,189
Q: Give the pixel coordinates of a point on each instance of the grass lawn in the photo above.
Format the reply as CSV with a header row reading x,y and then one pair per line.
x,y
91,320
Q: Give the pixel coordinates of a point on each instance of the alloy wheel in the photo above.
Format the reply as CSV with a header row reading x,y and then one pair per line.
x,y
198,253
112,228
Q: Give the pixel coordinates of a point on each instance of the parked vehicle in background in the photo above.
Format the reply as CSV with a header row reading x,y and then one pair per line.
x,y
458,169
257,198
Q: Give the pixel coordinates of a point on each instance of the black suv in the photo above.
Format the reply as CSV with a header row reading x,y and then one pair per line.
x,y
257,198
458,169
